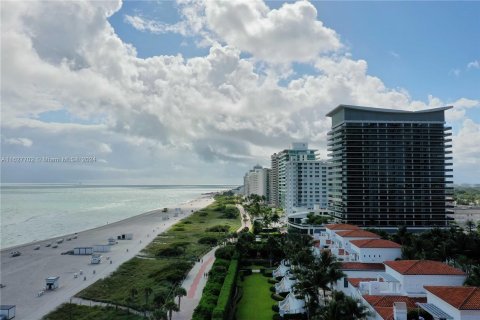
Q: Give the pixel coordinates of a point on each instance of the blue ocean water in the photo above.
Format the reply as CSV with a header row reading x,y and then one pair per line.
x,y
37,212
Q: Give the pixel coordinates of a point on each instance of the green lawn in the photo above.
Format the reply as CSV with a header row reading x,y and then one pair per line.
x,y
256,302
76,312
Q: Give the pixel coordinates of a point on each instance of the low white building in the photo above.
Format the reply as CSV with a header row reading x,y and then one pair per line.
x,y
415,274
326,238
452,302
285,285
373,250
291,305
282,269
341,238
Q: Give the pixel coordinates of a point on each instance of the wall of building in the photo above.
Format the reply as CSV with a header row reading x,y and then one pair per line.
x,y
452,311
414,284
370,255
256,181
306,185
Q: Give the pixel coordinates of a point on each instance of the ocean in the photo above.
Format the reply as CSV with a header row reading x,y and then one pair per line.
x,y
38,212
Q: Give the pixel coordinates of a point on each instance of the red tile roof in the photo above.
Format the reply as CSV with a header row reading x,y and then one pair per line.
x,y
356,281
423,267
358,234
462,298
362,266
342,226
383,305
375,243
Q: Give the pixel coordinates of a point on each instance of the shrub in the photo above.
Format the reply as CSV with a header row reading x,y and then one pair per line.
x,y
276,316
272,289
276,297
173,273
219,269
272,281
230,212
275,308
203,213
187,222
211,291
170,252
225,252
247,272
225,296
208,240
219,228
179,229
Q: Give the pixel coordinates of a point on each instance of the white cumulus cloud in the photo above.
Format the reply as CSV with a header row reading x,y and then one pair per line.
x,y
206,118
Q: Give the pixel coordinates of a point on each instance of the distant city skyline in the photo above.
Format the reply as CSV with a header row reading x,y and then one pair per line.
x,y
194,92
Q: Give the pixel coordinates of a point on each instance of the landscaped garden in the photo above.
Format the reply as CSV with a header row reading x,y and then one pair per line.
x,y
255,302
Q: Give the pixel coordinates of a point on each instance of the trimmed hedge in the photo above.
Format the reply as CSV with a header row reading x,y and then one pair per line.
x,y
224,299
277,297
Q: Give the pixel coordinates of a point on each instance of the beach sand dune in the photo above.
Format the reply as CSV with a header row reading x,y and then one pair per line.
x,y
24,276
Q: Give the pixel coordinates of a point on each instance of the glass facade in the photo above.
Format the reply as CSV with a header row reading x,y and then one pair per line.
x,y
390,173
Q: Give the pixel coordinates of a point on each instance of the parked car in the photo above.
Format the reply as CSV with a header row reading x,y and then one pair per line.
x,y
36,248
48,245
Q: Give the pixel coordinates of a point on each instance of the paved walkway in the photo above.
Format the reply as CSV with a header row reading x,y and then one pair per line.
x,y
196,281
248,222
194,284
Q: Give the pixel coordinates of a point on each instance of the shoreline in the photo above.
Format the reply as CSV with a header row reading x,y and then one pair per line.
x,y
24,276
153,211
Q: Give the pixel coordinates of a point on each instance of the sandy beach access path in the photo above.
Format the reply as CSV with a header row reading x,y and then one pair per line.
x,y
24,276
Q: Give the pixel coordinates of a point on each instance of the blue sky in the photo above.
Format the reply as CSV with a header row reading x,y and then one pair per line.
x,y
423,47
193,91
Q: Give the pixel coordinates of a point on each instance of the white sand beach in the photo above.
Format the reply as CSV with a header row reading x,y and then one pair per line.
x,y
24,276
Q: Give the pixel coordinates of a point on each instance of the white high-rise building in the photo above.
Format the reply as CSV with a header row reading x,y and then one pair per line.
x,y
256,181
306,185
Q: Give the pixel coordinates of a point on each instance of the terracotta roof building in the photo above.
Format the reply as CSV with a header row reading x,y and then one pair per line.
x,y
358,234
362,266
461,298
342,226
375,243
423,267
452,302
383,305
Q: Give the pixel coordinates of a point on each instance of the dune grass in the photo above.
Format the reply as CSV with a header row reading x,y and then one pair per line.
x,y
68,311
256,302
165,261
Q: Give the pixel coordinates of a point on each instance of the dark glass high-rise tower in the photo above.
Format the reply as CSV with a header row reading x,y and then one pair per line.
x,y
390,167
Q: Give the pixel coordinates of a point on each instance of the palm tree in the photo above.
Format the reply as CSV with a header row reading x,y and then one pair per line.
x,y
133,293
148,291
158,314
470,225
343,307
171,306
180,292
